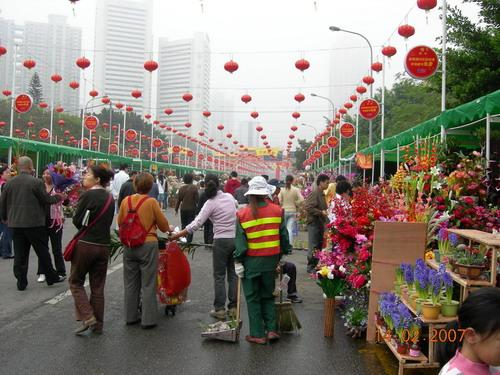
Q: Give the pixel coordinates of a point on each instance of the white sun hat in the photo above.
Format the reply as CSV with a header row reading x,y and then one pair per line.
x,y
257,186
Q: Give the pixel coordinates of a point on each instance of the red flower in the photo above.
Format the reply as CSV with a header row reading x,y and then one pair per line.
x,y
469,201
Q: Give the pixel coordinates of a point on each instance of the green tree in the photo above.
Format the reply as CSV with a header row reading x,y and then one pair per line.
x,y
35,89
300,152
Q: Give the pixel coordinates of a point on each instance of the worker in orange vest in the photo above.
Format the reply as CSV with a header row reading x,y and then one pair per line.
x,y
261,240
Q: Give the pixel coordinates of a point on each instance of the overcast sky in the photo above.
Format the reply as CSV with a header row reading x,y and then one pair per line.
x,y
266,37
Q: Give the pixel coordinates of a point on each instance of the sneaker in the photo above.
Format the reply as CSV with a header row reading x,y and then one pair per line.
x,y
294,299
59,279
218,314
41,278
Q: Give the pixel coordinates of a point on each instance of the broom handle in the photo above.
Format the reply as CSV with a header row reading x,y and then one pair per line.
x,y
281,279
238,300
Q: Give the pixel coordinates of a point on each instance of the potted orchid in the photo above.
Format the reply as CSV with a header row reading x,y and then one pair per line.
x,y
449,307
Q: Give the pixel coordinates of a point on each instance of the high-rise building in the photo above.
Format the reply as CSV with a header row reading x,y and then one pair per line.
x,y
54,46
123,42
184,67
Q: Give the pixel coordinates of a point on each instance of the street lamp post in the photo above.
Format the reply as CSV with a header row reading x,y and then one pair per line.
x,y
335,28
315,130
332,129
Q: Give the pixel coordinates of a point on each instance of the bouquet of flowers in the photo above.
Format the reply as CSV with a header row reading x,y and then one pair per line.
x,y
63,175
331,279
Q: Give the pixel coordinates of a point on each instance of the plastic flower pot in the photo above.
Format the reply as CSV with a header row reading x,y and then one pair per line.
x,y
431,311
469,271
449,309
418,305
413,301
415,351
402,348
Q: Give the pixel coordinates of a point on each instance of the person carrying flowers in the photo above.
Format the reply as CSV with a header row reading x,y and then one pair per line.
x,y
261,240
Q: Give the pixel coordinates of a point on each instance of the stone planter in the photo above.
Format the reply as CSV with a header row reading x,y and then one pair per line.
x,y
449,309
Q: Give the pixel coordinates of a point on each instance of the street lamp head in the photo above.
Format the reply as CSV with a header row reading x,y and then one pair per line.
x,y
335,28
313,94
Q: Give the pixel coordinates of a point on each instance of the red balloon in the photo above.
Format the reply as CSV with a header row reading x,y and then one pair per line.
x,y
377,66
353,97
7,92
368,80
295,115
56,78
206,113
299,97
74,85
93,93
231,66
302,64
426,4
389,51
187,97
361,89
29,63
136,93
246,98
83,62
406,31
150,66
168,111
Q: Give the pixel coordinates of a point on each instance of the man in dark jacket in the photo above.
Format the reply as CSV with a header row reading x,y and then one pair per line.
x,y
127,188
315,207
239,193
23,203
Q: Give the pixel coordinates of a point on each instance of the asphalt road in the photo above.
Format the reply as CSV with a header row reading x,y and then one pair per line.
x,y
36,333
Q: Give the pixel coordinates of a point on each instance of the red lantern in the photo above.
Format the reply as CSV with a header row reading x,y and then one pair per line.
x,y
220,127
188,125
3,50
254,114
265,143
231,66
114,128
295,115
30,124
187,97
426,4
129,109
168,111
389,51
74,85
293,128
61,122
29,64
201,134
136,93
56,78
44,134
105,125
299,97
302,64
147,116
150,66
59,109
229,135
66,132
377,66
368,80
291,136
246,98
7,92
206,113
263,136
406,31
348,105
157,143
342,111
354,98
93,93
235,142
361,89
105,100
113,148
119,105
259,128
83,62
43,105
2,124
211,140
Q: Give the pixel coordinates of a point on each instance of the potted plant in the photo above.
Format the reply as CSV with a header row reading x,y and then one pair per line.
x,y
445,241
399,280
421,276
449,307
431,308
409,280
470,263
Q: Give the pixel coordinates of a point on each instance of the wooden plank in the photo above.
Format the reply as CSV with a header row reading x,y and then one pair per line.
x,y
478,236
457,278
400,357
441,320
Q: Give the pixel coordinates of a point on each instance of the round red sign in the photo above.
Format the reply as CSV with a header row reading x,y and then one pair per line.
x,y
332,142
347,130
130,135
91,122
44,134
113,148
317,154
176,149
23,103
369,109
324,149
157,143
421,62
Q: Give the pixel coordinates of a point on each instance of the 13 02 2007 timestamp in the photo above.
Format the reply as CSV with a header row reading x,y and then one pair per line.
x,y
436,335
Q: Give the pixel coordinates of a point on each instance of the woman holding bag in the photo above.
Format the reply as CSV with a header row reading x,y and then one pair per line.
x,y
93,218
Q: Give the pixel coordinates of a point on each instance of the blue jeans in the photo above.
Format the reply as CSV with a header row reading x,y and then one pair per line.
x,y
291,223
6,243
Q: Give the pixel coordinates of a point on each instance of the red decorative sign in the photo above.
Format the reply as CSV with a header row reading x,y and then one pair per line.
x,y
324,149
113,148
91,122
317,154
209,158
332,142
23,103
44,134
201,156
421,62
176,149
130,135
369,109
347,130
190,153
157,143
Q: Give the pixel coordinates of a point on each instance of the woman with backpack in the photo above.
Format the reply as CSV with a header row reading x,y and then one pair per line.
x,y
139,218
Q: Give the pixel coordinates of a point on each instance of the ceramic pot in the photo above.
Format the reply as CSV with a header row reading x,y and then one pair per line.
x,y
430,311
402,348
449,309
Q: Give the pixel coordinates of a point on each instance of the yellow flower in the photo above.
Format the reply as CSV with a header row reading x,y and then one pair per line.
x,y
324,271
429,255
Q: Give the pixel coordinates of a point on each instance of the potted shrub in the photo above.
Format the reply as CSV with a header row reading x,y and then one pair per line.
x,y
470,263
431,308
449,307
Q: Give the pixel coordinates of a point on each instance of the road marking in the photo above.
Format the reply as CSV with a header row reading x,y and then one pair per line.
x,y
67,293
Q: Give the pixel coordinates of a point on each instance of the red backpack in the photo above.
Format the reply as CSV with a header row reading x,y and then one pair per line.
x,y
131,231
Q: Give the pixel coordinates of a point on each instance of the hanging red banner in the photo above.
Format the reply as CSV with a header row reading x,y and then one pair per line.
x,y
130,135
44,134
347,130
157,143
332,142
369,109
23,103
91,122
324,149
421,62
176,149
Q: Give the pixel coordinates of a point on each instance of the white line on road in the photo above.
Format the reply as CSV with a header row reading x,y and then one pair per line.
x,y
67,293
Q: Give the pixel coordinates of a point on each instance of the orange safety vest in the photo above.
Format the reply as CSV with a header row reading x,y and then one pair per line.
x,y
263,234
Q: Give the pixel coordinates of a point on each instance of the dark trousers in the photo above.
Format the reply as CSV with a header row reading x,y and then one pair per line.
x,y
223,264
6,242
315,233
89,259
187,216
208,232
291,271
24,238
55,236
